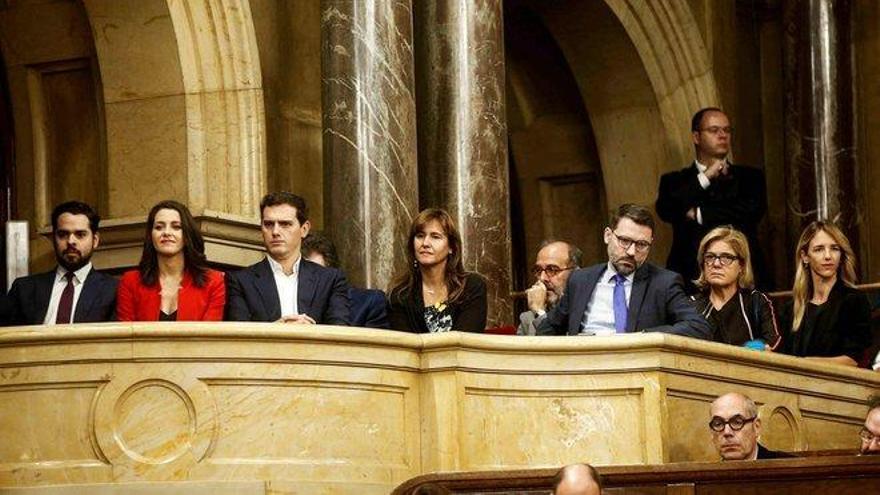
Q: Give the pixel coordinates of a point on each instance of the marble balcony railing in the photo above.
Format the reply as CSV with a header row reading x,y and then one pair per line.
x,y
360,411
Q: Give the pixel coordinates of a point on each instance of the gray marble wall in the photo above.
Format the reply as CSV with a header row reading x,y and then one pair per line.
x,y
820,135
370,181
462,133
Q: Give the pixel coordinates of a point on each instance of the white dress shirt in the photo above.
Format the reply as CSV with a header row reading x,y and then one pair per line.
x,y
287,286
79,277
705,182
600,310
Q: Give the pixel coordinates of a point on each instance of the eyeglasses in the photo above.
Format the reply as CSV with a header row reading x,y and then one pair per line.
x,y
626,242
550,270
867,436
718,130
736,423
724,258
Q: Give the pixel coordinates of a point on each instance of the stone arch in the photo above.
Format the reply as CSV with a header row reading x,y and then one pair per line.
x,y
183,103
642,69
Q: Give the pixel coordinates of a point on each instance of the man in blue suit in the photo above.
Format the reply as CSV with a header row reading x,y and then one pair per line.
x,y
74,292
284,287
368,306
626,294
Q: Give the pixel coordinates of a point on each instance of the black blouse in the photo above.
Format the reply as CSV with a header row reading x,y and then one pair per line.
x,y
406,311
748,315
838,327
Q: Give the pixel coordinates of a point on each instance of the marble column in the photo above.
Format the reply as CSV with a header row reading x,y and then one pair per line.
x,y
819,109
463,133
370,171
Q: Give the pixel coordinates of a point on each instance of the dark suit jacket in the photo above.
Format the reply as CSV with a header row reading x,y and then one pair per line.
x,y
765,453
842,326
657,303
407,310
322,293
738,199
368,308
28,299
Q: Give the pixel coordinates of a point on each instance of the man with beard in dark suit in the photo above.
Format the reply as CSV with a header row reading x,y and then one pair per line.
x,y
711,192
74,292
284,287
626,294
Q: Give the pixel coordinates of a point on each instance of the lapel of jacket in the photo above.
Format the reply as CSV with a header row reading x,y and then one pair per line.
x,y
87,297
416,306
305,288
580,301
264,282
42,294
637,296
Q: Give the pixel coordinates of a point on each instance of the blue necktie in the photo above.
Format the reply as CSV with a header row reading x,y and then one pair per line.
x,y
619,303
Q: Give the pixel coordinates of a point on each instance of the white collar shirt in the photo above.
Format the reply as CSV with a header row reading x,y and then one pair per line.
x,y
600,311
287,286
79,278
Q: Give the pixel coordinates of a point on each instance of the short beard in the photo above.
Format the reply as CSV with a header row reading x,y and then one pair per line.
x,y
72,267
624,270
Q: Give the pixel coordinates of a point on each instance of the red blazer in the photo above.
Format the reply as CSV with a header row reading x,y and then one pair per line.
x,y
137,302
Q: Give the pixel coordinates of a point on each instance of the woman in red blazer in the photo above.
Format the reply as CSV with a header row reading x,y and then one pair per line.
x,y
173,281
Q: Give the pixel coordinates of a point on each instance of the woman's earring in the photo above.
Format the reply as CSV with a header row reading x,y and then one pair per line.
x,y
415,263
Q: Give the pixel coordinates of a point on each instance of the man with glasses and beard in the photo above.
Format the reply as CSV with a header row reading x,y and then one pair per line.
x,y
553,265
870,433
74,292
626,294
736,428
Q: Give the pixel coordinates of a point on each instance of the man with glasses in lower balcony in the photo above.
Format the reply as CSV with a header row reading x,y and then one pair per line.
x,y
736,428
870,433
711,192
625,294
555,261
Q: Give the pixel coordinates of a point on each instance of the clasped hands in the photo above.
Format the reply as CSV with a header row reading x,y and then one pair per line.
x,y
302,319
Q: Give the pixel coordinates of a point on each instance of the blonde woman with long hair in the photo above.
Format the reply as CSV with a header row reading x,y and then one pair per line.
x,y
827,318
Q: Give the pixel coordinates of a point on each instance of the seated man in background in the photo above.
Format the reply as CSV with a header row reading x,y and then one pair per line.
x,y
736,428
625,294
577,479
284,287
553,265
870,433
73,292
368,307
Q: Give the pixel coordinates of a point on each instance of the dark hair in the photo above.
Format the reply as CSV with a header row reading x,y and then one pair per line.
x,y
76,208
455,274
194,261
697,119
318,243
560,475
637,213
286,198
575,255
873,402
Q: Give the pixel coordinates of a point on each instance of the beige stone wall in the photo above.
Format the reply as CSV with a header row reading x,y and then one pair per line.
x,y
289,41
54,86
356,410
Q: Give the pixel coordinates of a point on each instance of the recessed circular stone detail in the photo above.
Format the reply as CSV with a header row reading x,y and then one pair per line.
x,y
154,421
